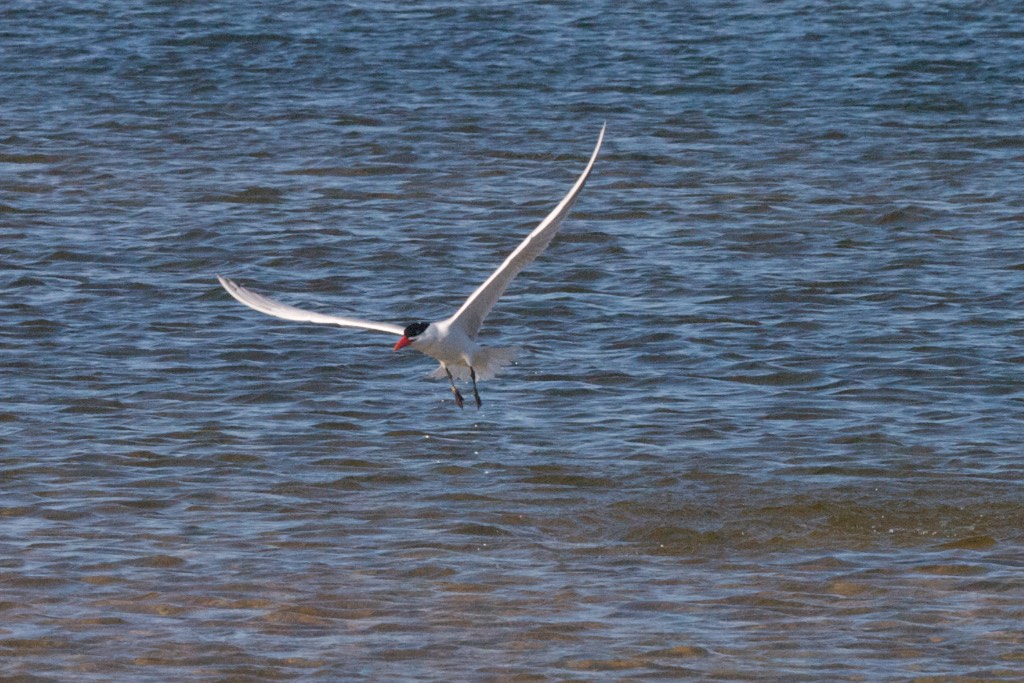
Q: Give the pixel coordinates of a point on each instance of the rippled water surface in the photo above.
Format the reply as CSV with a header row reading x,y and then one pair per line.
x,y
767,425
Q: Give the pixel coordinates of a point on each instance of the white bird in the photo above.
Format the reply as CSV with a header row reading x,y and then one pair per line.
x,y
451,341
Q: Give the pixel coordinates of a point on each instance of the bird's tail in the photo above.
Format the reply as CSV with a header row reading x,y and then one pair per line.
x,y
487,363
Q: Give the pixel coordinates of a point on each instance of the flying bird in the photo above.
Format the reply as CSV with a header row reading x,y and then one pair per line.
x,y
451,341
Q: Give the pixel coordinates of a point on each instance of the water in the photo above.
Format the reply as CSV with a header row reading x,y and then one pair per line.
x,y
768,425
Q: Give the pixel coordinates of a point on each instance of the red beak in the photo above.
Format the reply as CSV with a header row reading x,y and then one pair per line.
x,y
404,341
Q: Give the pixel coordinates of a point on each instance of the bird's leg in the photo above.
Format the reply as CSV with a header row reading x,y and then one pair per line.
x,y
458,396
476,394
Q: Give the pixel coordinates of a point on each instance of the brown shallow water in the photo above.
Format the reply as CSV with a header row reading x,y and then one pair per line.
x,y
767,425
445,566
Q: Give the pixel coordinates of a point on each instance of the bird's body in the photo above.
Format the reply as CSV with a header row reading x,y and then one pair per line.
x,y
448,344
452,341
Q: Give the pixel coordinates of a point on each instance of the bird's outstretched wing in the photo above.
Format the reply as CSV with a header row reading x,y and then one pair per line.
x,y
278,310
471,316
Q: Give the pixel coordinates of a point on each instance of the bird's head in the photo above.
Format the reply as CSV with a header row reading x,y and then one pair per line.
x,y
411,335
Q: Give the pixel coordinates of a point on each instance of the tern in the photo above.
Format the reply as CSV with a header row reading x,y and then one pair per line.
x,y
451,341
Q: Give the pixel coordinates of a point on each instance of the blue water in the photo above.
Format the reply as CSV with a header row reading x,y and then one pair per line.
x,y
767,421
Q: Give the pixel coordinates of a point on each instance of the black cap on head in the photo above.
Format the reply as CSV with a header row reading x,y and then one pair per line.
x,y
416,329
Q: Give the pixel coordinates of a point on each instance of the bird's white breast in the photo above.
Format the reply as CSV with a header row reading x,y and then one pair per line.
x,y
448,344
